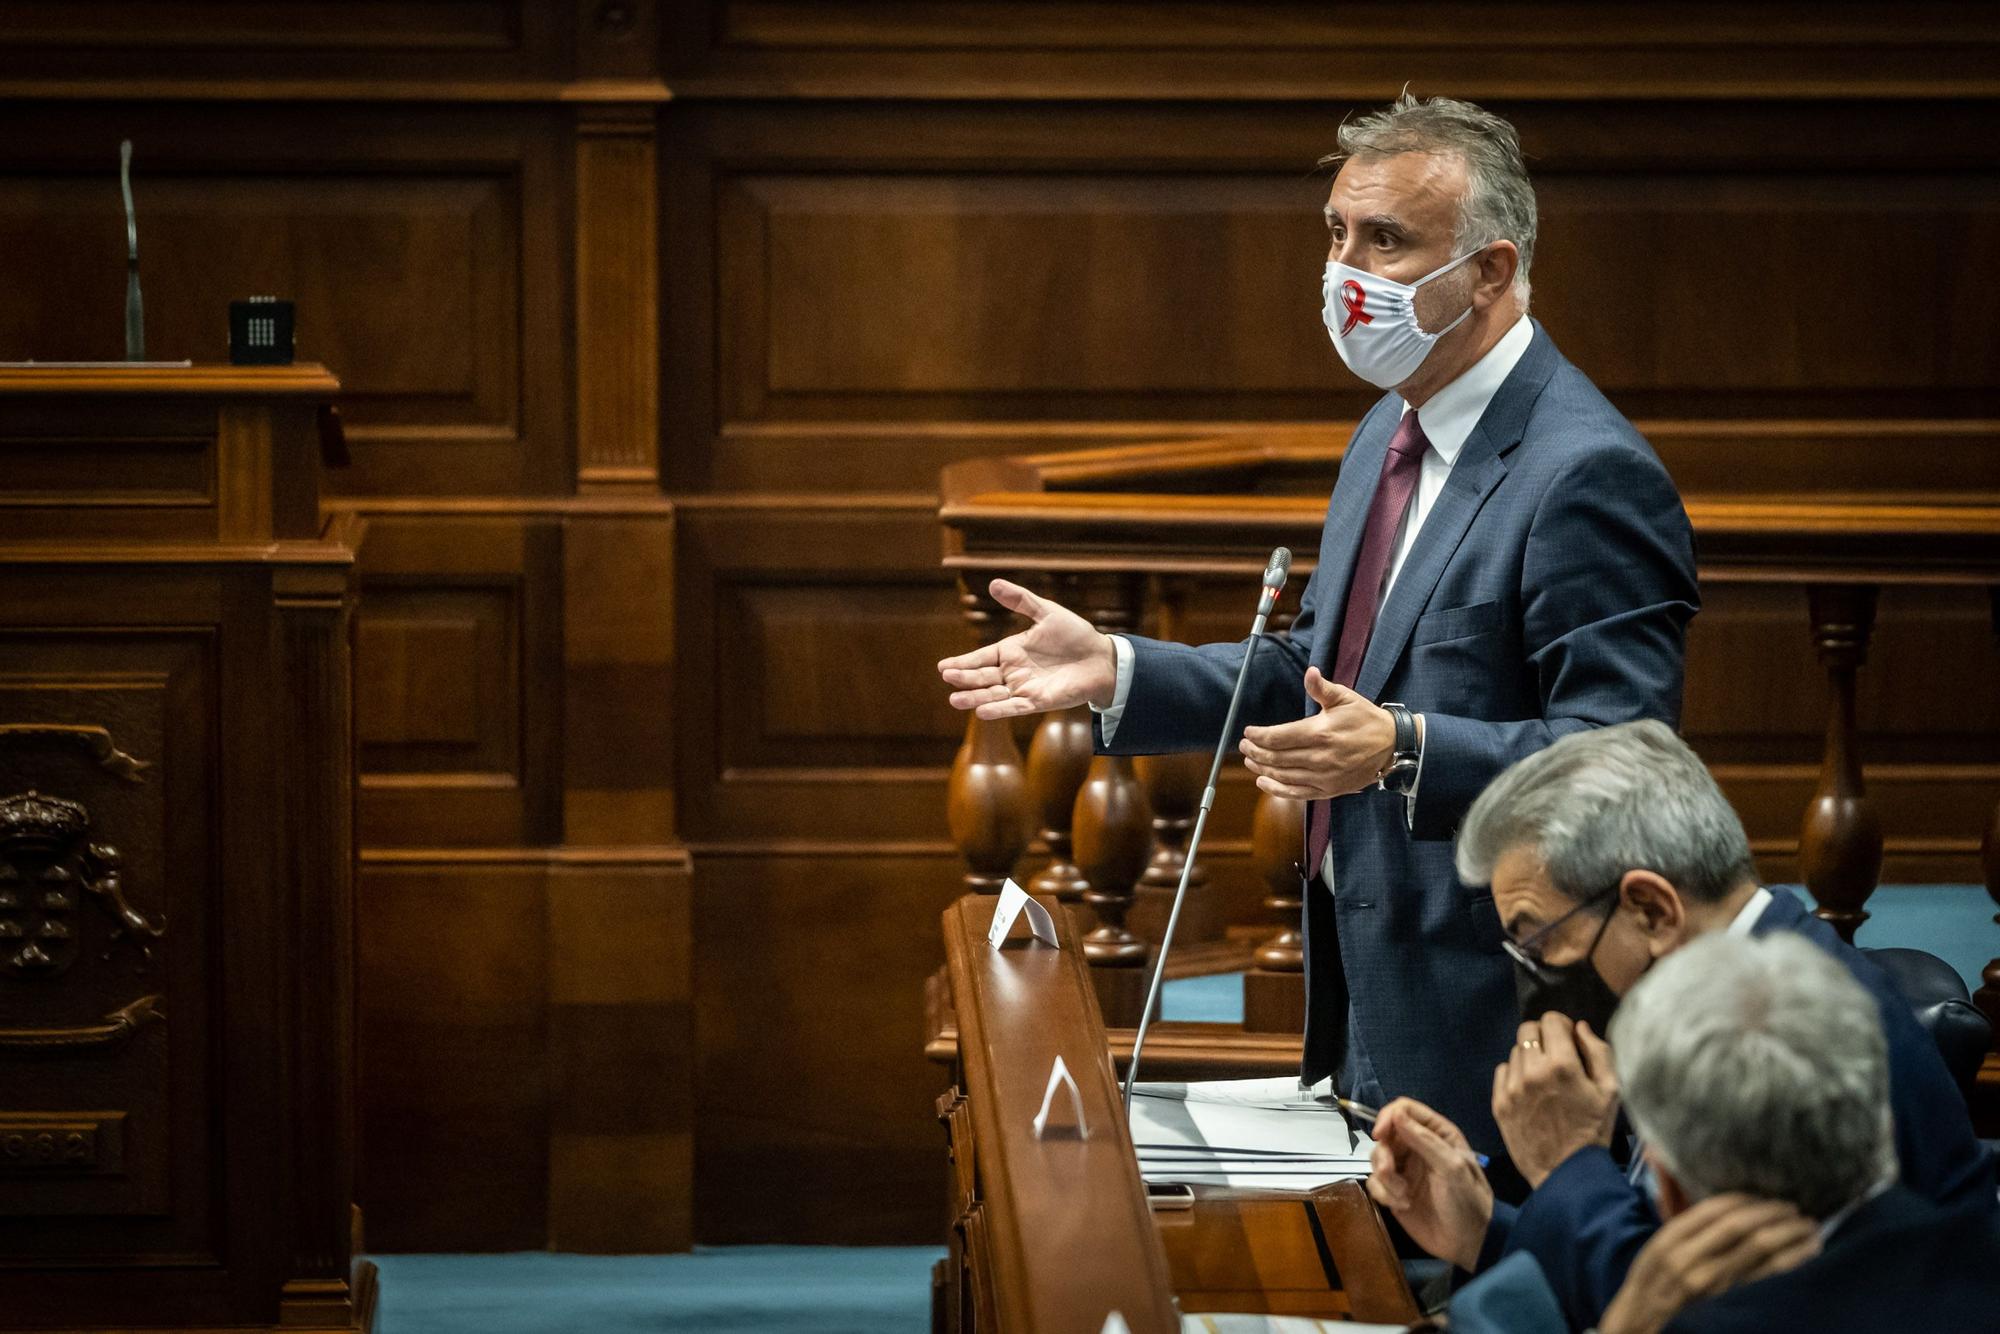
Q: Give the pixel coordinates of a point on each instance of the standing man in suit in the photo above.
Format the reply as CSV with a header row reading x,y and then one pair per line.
x,y
1607,853
1504,561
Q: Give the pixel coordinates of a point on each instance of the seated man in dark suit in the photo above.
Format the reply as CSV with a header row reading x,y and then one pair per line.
x,y
1758,1067
1607,852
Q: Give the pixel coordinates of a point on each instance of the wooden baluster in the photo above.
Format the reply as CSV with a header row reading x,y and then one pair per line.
x,y
1058,759
1987,998
1114,835
1173,786
987,798
1274,990
1840,842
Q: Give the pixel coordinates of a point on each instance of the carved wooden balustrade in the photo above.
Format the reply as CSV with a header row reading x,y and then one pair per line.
x,y
1123,533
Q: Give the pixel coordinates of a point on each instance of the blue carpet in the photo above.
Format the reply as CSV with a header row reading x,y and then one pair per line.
x,y
781,1289
1954,922
1216,999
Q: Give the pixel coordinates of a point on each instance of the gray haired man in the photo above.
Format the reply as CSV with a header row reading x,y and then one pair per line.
x,y
1757,1068
1607,852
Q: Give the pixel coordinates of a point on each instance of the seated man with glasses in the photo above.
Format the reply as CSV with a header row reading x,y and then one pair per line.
x,y
1606,852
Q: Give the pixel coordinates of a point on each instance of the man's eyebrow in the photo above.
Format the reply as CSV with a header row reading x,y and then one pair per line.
x,y
1384,222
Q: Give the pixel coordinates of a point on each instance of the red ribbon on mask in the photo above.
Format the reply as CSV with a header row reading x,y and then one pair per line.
x,y
1354,299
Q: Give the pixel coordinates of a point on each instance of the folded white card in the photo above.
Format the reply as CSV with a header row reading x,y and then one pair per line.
x,y
1012,903
1059,1077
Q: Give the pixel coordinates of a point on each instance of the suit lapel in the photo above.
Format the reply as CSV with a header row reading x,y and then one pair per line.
x,y
1479,469
1472,479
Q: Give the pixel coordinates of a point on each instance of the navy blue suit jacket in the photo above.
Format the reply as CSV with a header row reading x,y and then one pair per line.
x,y
1548,591
1899,1263
1587,1221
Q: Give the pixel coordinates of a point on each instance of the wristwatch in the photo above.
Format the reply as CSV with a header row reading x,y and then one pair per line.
x,y
1400,774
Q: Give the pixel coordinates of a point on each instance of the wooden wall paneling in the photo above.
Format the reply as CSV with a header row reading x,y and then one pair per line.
x,y
222,684
619,651
529,1008
815,1105
217,43
688,297
314,735
156,690
892,295
621,1054
454,1024
1168,51
459,680
617,300
424,248
805,695
617,39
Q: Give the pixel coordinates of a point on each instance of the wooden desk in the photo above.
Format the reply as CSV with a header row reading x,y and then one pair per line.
x,y
176,853
1054,1234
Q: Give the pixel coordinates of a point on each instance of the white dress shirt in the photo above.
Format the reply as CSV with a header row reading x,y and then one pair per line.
x,y
1748,916
1447,422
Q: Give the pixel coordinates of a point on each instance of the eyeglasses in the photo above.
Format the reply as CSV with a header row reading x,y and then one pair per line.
x,y
1528,953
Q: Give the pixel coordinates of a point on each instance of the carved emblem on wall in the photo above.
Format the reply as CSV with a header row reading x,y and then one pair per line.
x,y
51,874
48,869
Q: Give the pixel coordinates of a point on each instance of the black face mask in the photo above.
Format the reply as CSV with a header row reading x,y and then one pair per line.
x,y
1577,989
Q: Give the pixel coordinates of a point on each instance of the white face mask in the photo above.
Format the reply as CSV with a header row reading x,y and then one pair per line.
x,y
1373,321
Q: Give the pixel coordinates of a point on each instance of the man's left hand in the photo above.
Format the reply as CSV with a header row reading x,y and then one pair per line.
x,y
1556,1093
1338,750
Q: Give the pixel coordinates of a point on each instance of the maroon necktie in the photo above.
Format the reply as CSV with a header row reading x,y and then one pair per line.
x,y
1378,543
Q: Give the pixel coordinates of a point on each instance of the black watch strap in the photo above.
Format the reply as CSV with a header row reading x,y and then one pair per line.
x,y
1401,773
1406,732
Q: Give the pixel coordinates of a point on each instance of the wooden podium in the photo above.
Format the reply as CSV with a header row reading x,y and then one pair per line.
x,y
176,855
1054,1233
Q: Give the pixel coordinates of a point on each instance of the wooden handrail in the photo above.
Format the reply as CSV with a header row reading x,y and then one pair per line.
x,y
1070,1238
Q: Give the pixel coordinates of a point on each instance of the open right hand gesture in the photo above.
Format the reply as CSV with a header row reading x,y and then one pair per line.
x,y
1058,662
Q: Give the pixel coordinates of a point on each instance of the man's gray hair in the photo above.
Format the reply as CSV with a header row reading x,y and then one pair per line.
x,y
1599,803
1499,203
1758,1065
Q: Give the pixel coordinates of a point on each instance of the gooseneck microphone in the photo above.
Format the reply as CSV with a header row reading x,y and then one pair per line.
x,y
1274,582
135,309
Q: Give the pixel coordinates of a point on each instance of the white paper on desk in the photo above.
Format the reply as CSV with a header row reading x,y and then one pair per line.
x,y
1261,1133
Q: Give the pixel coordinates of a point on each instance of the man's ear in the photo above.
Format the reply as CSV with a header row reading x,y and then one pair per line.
x,y
1496,267
1672,1197
1658,907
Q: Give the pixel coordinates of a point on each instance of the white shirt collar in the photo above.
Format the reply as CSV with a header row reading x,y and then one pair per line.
x,y
1752,910
1454,410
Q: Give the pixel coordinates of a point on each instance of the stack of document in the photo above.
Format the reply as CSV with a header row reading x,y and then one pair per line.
x,y
1265,1134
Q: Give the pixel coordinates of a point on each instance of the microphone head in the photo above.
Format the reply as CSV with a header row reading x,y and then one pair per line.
x,y
1279,567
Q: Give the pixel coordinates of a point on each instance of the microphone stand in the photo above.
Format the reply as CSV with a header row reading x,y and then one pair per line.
x,y
1274,581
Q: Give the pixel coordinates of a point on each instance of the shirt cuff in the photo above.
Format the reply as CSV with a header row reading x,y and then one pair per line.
x,y
1107,719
